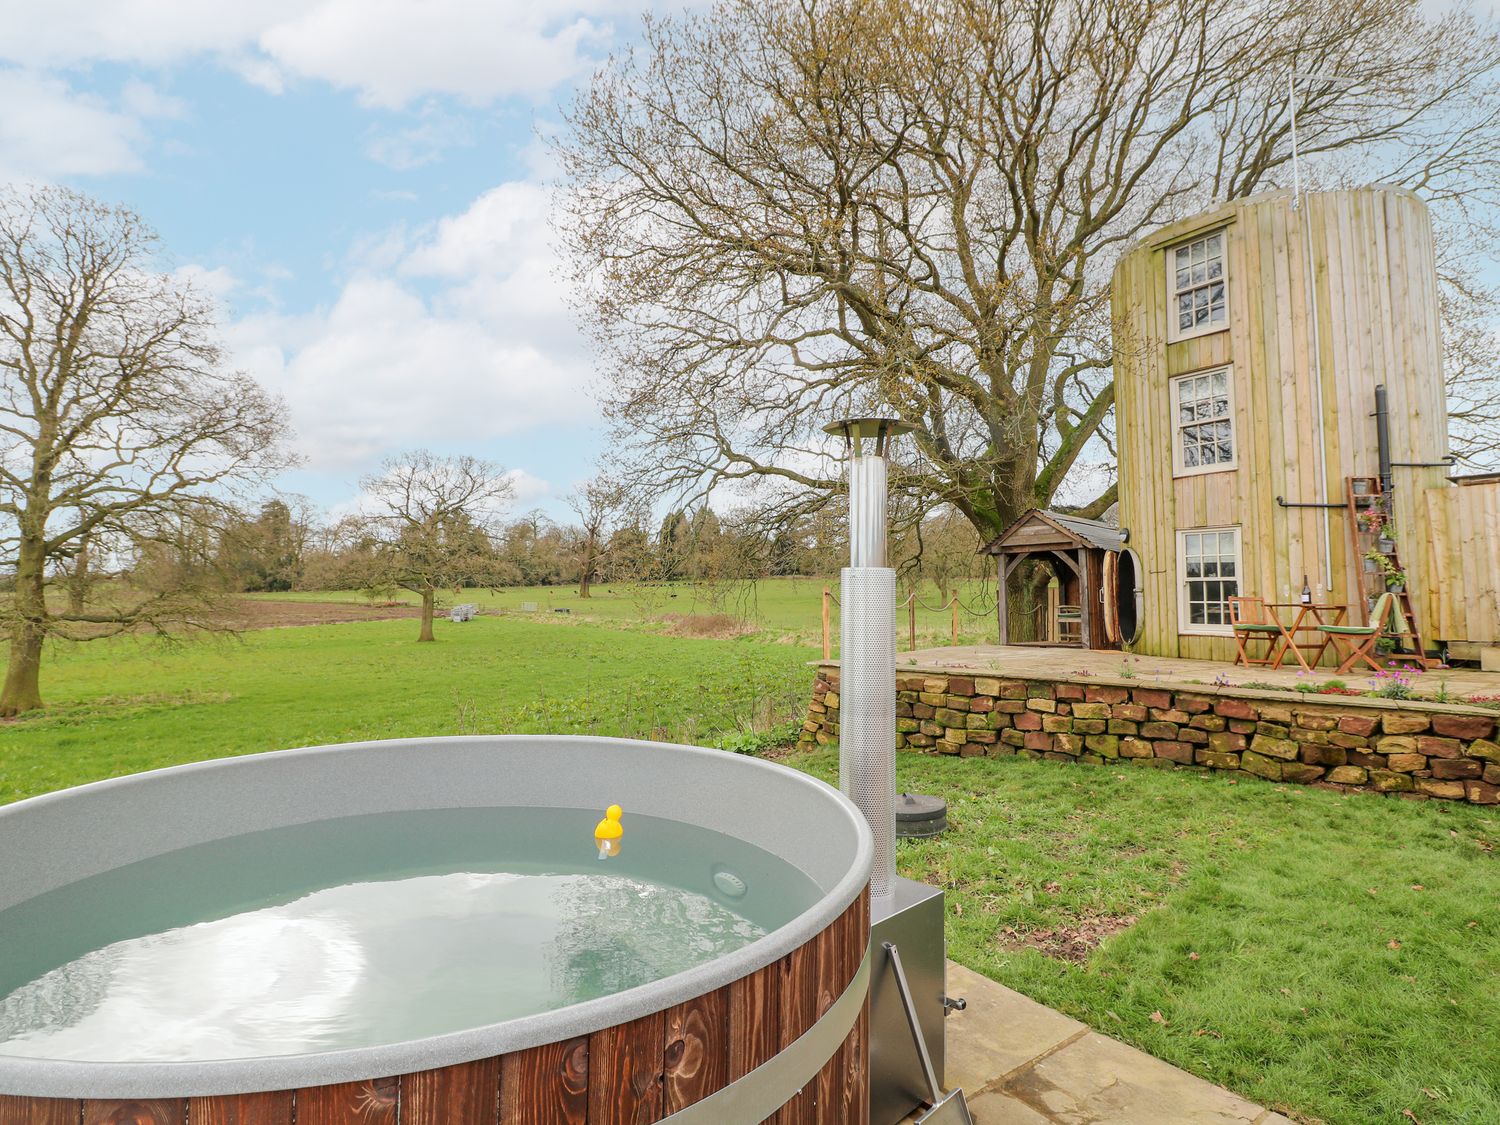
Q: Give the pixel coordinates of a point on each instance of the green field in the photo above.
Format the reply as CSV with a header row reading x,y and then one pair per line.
x,y
782,609
1333,956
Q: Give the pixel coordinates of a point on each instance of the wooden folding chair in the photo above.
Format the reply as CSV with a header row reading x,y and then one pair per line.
x,y
1355,643
1070,623
1250,621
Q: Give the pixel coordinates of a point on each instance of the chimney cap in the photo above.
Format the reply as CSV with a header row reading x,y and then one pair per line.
x,y
859,429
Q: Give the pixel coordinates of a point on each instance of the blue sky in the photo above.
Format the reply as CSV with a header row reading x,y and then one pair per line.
x,y
361,185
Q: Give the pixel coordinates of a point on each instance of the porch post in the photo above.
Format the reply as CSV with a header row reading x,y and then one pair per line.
x,y
1086,597
1002,608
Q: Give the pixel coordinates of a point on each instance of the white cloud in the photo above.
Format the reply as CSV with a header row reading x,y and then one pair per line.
x,y
458,338
390,52
527,488
434,134
50,131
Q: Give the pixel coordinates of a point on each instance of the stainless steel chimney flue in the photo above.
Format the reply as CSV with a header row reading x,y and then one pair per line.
x,y
867,647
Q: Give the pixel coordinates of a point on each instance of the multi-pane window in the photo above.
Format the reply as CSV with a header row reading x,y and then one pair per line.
x,y
1195,280
1210,572
1203,417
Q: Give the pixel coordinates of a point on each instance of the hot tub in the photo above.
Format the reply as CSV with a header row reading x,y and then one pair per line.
x,y
776,1021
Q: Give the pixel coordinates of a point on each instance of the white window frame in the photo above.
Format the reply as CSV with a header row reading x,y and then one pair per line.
x,y
1184,626
1175,333
1180,468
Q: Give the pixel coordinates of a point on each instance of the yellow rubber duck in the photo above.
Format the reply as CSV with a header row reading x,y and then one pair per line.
x,y
608,832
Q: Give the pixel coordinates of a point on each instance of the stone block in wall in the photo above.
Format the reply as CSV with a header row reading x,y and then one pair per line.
x,y
1043,704
1492,774
1012,689
1056,724
1348,741
1446,790
1396,744
1309,737
1209,722
1091,710
972,750
1270,747
1028,720
1274,730
1070,692
977,722
1405,763
1348,775
1275,713
1324,755
1151,697
1311,720
1236,709
957,702
1168,715
923,710
1192,734
1194,704
1090,726
949,717
983,704
1386,781
1369,761
920,740
1260,765
947,746
1000,751
929,727
1482,792
1300,773
1462,726
1106,744
1450,768
1013,737
1133,712
1484,748
1099,693
1224,742
1242,726
1135,748
908,726
1091,759
960,685
1037,740
1121,726
1403,723
938,685
1363,725
1166,731
1179,752
955,734
1219,760
1068,743
1035,689
983,685
1435,747
933,698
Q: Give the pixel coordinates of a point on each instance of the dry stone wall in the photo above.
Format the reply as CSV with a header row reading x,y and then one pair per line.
x,y
1409,747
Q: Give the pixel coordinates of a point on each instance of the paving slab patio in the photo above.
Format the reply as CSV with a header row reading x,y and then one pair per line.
x,y
1021,1063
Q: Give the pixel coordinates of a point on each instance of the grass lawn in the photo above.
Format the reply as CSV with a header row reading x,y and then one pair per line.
x,y
1334,957
782,609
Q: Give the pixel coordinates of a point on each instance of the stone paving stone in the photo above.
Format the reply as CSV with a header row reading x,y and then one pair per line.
x,y
1098,1079
996,1108
998,1031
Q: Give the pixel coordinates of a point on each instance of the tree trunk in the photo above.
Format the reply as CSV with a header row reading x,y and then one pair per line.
x,y
586,568
428,598
22,690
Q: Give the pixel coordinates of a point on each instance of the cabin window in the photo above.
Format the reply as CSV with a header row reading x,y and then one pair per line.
x,y
1209,569
1196,285
1203,416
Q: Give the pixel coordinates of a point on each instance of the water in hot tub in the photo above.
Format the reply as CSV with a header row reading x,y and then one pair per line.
x,y
368,930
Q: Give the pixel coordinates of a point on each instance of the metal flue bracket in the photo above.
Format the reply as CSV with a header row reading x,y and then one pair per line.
x,y
945,1109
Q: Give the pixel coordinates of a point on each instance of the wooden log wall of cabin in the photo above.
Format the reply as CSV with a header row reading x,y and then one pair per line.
x,y
1464,561
1377,323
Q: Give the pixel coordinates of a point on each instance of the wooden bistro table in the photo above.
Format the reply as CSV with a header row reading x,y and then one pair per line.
x,y
1299,613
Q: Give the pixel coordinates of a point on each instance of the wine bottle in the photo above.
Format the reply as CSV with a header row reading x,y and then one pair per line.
x,y
1306,592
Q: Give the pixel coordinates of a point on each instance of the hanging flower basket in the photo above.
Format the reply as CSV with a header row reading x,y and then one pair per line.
x,y
1385,544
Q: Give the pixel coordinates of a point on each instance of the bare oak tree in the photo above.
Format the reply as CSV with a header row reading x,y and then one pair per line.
x,y
787,210
118,421
432,522
599,504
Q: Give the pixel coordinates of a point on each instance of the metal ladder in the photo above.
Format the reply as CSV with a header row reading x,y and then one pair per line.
x,y
1365,494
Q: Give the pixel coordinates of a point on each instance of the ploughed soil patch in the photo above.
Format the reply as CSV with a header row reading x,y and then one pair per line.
x,y
1072,943
253,613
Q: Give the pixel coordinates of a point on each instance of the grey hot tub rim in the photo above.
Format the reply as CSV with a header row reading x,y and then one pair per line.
x,y
60,837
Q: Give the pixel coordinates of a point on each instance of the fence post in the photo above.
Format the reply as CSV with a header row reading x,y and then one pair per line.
x,y
911,621
954,604
827,650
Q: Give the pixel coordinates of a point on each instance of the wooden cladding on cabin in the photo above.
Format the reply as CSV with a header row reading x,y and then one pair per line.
x,y
634,1073
1370,317
1464,525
